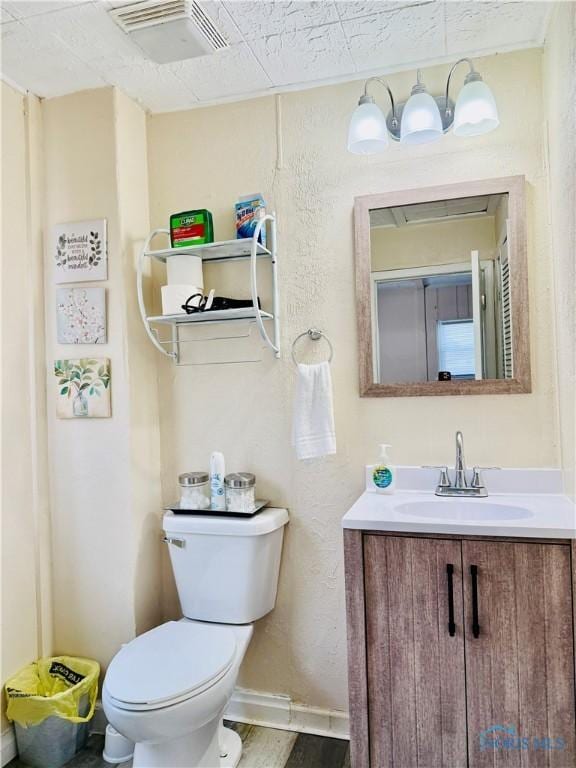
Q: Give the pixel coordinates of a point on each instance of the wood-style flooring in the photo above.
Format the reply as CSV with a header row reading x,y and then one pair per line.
x,y
263,748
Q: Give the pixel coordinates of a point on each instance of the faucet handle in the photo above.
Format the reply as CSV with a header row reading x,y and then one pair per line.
x,y
477,481
444,481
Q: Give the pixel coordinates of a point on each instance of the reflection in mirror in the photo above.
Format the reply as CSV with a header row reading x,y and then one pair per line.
x,y
440,291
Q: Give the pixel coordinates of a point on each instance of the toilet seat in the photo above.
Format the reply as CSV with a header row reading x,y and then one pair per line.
x,y
169,664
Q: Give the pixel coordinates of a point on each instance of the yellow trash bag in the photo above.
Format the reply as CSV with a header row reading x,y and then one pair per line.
x,y
52,687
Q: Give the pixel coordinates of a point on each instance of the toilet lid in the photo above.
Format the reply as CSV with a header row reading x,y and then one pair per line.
x,y
171,661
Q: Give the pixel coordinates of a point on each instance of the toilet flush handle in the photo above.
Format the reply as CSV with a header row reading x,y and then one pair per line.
x,y
176,542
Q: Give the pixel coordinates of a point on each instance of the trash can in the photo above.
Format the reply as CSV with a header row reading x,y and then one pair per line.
x,y
51,703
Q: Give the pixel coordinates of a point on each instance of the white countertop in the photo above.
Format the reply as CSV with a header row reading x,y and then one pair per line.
x,y
553,516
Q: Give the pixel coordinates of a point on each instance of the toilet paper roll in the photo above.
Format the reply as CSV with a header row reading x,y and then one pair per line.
x,y
184,270
173,296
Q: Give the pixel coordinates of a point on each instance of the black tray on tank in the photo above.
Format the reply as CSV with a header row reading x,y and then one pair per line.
x,y
260,505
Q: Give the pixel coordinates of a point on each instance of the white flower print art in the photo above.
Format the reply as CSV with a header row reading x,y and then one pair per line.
x,y
81,315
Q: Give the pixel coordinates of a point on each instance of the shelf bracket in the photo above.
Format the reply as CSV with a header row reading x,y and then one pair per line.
x,y
274,345
140,292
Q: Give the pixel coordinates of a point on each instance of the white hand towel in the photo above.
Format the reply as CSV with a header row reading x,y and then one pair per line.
x,y
313,431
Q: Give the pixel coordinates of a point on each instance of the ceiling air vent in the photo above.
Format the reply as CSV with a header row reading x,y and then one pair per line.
x,y
170,30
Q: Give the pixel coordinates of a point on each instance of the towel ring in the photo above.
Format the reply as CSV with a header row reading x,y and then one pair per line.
x,y
314,335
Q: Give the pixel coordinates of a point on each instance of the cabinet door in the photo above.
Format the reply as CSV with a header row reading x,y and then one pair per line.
x,y
520,654
416,683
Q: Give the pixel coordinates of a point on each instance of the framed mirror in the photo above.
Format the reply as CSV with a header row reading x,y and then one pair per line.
x,y
442,290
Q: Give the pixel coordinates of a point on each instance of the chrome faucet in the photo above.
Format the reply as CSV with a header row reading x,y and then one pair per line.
x,y
460,486
460,466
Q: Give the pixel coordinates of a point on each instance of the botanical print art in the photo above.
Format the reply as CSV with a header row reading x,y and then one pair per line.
x,y
81,315
80,251
83,388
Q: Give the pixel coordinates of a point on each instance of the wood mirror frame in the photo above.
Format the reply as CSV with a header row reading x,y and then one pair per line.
x,y
514,186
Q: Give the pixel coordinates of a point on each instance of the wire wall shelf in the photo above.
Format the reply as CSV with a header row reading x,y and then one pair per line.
x,y
220,252
225,250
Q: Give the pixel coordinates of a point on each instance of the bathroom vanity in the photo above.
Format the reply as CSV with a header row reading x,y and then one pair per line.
x,y
461,624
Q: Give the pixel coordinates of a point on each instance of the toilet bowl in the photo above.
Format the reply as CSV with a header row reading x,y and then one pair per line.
x,y
167,691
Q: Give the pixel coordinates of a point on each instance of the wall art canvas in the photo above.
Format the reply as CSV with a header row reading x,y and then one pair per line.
x,y
83,388
81,315
80,251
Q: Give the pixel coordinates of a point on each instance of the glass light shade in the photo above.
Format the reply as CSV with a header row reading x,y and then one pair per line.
x,y
476,111
367,133
421,121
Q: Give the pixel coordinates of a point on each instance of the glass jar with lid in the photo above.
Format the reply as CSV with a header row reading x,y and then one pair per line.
x,y
240,492
194,490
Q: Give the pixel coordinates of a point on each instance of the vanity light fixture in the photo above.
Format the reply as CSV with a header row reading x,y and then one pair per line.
x,y
368,133
423,118
421,121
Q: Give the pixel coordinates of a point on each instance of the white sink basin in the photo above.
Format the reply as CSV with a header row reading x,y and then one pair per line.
x,y
462,511
522,503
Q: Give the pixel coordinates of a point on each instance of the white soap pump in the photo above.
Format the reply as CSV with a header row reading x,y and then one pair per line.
x,y
381,477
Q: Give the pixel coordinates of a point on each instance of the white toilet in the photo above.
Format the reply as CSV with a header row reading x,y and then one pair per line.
x,y
167,689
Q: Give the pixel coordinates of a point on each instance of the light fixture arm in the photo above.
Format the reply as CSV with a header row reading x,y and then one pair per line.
x,y
470,77
367,98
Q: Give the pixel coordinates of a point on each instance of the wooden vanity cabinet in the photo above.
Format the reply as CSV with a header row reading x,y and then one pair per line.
x,y
449,637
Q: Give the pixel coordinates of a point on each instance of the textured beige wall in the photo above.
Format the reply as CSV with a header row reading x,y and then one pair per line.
x,y
206,158
560,104
141,361
422,245
26,612
105,472
19,618
93,612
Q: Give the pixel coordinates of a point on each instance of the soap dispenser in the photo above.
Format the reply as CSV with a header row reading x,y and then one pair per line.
x,y
381,477
217,472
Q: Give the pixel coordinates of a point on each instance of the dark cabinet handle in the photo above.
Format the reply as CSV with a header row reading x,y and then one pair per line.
x,y
474,579
451,623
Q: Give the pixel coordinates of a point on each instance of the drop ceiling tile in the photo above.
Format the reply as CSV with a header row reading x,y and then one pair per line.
x,y
5,17
223,20
396,38
353,9
491,26
60,46
225,73
42,66
154,87
10,29
260,18
19,43
24,9
305,55
116,3
89,33
58,77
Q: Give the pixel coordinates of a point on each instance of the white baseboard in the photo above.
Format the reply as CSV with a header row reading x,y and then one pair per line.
x,y
270,710
9,750
274,711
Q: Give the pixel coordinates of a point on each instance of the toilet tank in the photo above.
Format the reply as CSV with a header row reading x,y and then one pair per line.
x,y
226,568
